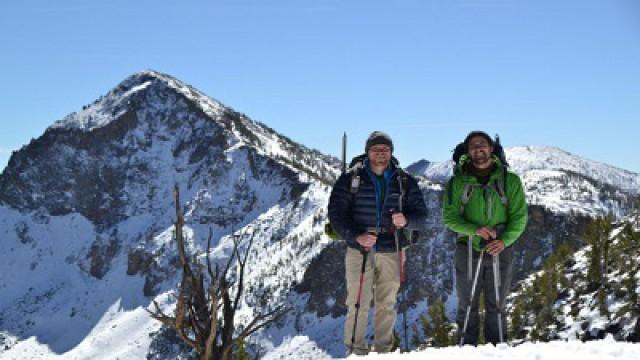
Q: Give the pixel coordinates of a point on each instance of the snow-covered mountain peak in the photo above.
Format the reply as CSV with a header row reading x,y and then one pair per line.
x,y
172,101
150,128
524,158
122,98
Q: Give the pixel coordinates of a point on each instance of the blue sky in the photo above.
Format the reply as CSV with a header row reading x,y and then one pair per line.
x,y
559,73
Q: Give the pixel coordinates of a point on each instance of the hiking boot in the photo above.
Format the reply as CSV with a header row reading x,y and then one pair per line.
x,y
356,351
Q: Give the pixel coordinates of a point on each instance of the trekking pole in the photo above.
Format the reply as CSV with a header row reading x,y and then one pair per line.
x,y
473,291
470,258
355,321
404,307
344,152
496,285
403,300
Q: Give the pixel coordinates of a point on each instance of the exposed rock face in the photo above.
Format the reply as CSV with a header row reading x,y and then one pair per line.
x,y
102,162
326,297
100,256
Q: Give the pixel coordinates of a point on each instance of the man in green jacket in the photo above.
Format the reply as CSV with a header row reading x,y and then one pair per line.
x,y
484,203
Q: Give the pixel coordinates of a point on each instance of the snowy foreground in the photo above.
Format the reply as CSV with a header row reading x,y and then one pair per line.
x,y
301,348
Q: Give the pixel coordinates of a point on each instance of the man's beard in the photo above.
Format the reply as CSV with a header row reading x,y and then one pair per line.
x,y
481,159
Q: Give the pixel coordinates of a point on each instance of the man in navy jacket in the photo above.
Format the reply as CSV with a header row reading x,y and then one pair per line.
x,y
365,210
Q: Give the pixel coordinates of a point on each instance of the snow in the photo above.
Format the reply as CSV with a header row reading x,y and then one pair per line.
x,y
300,347
66,314
120,334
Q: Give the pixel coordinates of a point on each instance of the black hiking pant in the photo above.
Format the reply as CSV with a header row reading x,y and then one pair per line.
x,y
486,285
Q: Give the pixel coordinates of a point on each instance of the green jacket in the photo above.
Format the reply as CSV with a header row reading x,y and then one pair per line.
x,y
477,213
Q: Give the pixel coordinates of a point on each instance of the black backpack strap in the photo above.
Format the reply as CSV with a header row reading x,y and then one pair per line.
x,y
504,181
501,189
356,164
403,183
466,193
403,178
466,196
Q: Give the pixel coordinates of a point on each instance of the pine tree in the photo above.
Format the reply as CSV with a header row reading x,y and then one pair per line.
x,y
437,327
598,237
397,342
630,246
563,253
517,319
603,307
537,301
594,271
527,299
416,341
631,283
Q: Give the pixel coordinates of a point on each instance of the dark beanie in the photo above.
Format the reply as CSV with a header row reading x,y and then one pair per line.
x,y
477,133
378,138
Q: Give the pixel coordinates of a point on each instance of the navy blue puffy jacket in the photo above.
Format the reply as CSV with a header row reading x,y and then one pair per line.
x,y
353,214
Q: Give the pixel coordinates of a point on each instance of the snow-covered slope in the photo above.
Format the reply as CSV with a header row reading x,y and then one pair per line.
x,y
438,172
586,295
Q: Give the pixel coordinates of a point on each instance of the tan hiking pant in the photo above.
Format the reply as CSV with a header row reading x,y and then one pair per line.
x,y
381,284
